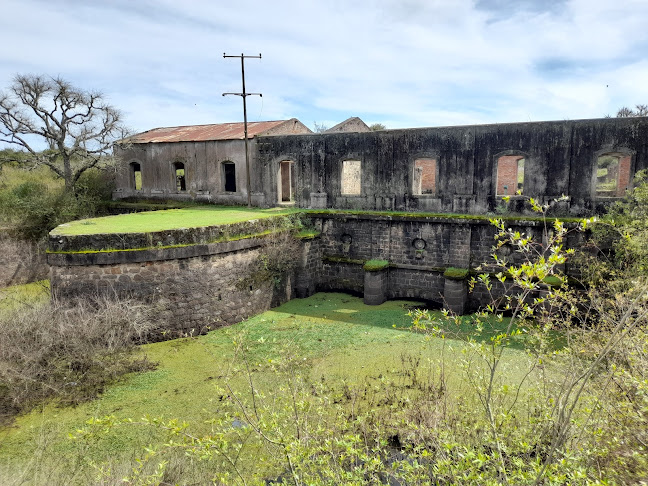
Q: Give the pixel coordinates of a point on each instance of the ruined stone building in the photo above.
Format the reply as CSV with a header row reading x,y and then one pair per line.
x,y
422,173
465,169
199,162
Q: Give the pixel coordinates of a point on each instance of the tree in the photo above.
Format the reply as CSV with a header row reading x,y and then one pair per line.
x,y
319,127
625,112
376,127
78,127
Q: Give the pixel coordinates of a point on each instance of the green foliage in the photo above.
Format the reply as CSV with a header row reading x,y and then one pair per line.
x,y
32,204
618,247
375,265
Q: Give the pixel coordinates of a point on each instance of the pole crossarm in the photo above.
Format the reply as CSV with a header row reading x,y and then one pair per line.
x,y
244,95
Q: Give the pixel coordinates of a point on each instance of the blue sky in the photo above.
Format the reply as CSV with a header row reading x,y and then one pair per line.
x,y
404,63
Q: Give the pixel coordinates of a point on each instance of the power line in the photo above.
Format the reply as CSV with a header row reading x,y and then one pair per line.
x,y
244,95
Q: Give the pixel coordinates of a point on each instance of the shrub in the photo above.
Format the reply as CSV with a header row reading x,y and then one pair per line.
x,y
68,353
34,206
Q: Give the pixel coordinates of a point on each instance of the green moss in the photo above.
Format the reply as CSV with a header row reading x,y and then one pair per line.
x,y
308,234
457,216
454,273
222,239
375,265
339,259
167,219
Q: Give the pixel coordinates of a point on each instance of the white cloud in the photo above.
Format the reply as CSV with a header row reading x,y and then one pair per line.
x,y
403,63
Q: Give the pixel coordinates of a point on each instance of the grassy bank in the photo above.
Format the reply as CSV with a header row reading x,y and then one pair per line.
x,y
149,221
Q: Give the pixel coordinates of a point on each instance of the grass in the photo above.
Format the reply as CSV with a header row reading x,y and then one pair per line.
x,y
28,294
151,221
339,336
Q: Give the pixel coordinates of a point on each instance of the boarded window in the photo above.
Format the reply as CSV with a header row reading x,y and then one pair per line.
x,y
180,180
351,177
612,175
424,177
510,175
229,176
136,176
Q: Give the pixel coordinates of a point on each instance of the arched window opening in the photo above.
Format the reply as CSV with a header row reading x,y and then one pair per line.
x,y
136,176
510,175
612,175
351,178
424,177
229,176
180,179
286,181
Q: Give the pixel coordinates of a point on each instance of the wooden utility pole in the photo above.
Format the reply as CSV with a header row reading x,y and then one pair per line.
x,y
244,95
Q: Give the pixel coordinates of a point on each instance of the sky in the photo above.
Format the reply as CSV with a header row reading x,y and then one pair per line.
x,y
402,63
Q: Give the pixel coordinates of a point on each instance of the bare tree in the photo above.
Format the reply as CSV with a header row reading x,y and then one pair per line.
x,y
625,112
319,127
78,127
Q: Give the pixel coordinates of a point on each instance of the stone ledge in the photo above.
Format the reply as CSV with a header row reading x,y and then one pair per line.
x,y
152,255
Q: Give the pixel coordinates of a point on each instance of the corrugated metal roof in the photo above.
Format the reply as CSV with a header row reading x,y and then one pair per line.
x,y
203,133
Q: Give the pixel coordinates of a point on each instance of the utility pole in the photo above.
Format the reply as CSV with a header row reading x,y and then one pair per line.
x,y
244,95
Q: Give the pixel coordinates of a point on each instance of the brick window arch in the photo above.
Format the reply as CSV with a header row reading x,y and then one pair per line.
x,y
424,180
510,175
612,174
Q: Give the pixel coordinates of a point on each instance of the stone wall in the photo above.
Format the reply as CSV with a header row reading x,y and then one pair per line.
x,y
205,285
418,249
184,294
20,262
560,157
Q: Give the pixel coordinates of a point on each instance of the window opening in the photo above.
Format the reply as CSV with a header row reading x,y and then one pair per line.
x,y
229,176
510,175
181,183
612,175
351,177
286,181
424,177
136,176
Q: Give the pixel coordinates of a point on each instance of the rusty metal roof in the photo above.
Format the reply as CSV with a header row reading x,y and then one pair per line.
x,y
204,133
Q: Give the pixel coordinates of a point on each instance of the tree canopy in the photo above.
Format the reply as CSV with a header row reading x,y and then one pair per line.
x,y
78,127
